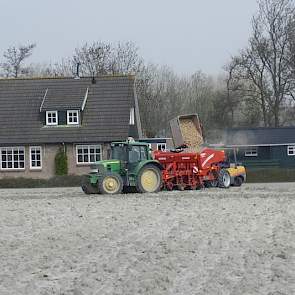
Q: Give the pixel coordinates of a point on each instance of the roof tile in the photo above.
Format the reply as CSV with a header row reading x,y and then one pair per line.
x,y
105,117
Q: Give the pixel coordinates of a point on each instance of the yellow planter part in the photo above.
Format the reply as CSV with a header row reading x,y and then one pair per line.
x,y
239,170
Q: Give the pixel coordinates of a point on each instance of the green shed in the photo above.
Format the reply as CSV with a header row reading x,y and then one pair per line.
x,y
262,147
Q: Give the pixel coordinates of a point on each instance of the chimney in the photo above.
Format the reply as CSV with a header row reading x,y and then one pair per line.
x,y
77,71
93,81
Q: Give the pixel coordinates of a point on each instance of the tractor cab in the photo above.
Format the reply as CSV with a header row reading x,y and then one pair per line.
x,y
130,153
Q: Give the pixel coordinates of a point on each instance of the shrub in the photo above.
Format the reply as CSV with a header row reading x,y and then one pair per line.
x,y
61,162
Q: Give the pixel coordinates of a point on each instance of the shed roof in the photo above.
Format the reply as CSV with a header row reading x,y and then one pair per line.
x,y
259,136
105,117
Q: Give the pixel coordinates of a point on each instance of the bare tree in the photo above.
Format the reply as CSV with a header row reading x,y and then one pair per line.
x,y
199,96
94,59
14,58
101,58
271,36
262,70
164,95
246,83
125,59
150,85
65,68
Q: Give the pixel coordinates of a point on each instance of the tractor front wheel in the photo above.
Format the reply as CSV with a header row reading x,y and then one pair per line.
x,y
223,179
110,183
87,187
149,179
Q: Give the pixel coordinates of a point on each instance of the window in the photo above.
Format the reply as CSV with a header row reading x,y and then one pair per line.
x,y
72,117
161,146
35,157
131,120
291,150
88,154
51,118
251,152
12,158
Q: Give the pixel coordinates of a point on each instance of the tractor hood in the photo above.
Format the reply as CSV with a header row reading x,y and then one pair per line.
x,y
109,165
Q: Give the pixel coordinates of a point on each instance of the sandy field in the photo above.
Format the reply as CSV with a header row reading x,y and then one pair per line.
x,y
214,241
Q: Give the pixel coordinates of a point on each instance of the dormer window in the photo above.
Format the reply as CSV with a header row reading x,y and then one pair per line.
x,y
51,118
73,117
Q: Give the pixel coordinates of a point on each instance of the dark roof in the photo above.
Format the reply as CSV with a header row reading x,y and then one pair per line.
x,y
66,96
105,117
259,136
155,140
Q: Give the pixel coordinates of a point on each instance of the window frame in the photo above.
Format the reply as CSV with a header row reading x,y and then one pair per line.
x,y
56,117
41,160
12,154
289,147
161,144
88,146
78,117
249,152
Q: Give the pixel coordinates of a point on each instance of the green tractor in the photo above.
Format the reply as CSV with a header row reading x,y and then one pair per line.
x,y
131,168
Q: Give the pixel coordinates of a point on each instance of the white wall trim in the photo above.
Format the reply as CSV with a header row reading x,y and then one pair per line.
x,y
161,144
41,157
78,117
85,99
88,146
288,150
250,145
12,147
43,99
56,114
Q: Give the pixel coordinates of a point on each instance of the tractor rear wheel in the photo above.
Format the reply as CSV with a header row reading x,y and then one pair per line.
x,y
110,183
149,179
223,179
211,183
87,187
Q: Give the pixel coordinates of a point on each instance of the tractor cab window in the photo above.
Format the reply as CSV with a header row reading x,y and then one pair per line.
x,y
143,153
119,152
137,153
134,154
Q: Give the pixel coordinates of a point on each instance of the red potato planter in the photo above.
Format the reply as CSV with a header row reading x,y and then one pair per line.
x,y
195,170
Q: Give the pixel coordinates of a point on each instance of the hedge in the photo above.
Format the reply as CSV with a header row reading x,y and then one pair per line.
x,y
265,175
57,181
253,176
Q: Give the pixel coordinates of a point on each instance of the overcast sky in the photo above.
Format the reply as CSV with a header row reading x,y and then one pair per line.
x,y
186,34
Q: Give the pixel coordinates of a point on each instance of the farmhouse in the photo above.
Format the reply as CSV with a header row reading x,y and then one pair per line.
x,y
81,116
263,147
